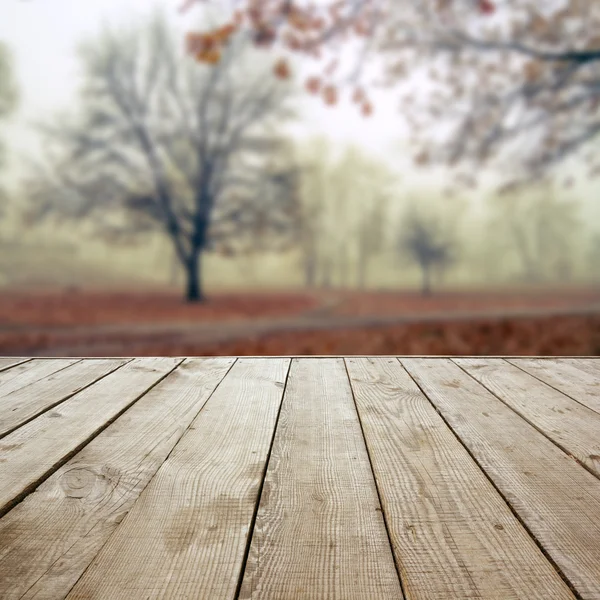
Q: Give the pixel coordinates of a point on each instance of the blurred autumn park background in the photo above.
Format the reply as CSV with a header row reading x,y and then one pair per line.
x,y
293,177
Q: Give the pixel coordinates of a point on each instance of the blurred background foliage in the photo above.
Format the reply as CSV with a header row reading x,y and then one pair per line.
x,y
247,169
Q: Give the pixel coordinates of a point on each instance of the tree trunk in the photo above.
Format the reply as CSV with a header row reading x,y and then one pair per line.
x,y
194,291
174,270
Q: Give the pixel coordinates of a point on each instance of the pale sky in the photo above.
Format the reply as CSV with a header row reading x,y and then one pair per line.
x,y
43,36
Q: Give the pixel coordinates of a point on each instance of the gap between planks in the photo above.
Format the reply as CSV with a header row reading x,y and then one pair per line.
x,y
535,477
575,383
571,426
67,520
7,363
29,401
453,535
187,533
33,452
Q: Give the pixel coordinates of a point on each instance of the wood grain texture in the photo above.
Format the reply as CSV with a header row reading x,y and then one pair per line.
x,y
26,403
569,424
15,374
453,535
186,536
319,530
65,522
576,383
33,371
35,450
7,363
556,498
589,365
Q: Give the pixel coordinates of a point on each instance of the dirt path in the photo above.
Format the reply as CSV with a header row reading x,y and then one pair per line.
x,y
116,340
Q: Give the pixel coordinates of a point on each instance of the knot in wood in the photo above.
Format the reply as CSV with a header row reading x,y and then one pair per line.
x,y
79,482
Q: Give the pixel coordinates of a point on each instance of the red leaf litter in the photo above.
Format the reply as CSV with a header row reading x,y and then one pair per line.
x,y
161,324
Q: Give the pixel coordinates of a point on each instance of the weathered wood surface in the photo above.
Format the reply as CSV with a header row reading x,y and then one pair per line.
x,y
590,365
572,426
319,530
453,535
29,454
27,402
556,498
71,515
313,478
6,363
575,382
19,377
187,534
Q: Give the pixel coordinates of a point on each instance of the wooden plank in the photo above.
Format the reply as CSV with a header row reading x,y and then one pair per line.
x,y
556,498
31,372
33,452
319,530
28,402
453,535
576,383
15,373
7,363
187,534
589,365
50,538
570,425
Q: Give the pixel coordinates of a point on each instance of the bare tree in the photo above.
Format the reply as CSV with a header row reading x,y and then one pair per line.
x,y
162,144
342,213
308,238
312,219
424,241
514,83
540,229
370,237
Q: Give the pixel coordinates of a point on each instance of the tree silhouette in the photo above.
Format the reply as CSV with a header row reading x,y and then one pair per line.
x,y
162,145
424,240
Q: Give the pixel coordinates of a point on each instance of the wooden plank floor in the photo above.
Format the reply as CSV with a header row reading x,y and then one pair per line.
x,y
300,478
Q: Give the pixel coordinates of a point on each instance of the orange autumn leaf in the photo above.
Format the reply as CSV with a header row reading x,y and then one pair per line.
x,y
331,68
282,69
313,85
422,158
224,33
318,24
361,30
193,42
292,42
212,56
298,21
238,17
358,96
202,43
330,95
